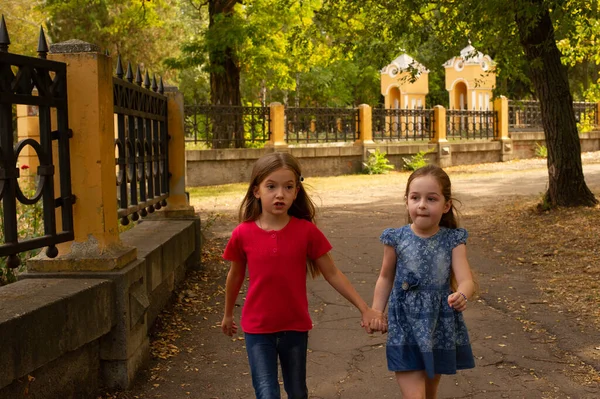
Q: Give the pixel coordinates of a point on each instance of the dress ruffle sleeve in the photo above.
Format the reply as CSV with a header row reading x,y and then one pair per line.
x,y
389,237
459,236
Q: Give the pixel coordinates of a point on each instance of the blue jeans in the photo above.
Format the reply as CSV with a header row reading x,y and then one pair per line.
x,y
263,351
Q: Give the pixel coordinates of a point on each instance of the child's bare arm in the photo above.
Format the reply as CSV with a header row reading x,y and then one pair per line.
x,y
462,272
235,279
340,282
385,282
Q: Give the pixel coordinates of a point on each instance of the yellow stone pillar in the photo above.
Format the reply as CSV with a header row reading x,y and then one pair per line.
x,y
439,124
501,106
177,203
97,246
277,115
365,125
444,150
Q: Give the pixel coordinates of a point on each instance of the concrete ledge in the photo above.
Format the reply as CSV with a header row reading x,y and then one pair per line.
x,y
42,319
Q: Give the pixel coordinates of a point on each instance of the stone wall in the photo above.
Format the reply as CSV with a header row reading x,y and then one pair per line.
x,y
65,334
213,167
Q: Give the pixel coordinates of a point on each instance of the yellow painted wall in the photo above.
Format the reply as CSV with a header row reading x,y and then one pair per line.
x,y
478,82
404,90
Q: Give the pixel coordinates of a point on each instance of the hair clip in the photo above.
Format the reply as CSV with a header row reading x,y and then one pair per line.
x,y
301,178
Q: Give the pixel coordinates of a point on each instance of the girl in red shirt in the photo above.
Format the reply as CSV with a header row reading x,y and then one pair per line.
x,y
278,242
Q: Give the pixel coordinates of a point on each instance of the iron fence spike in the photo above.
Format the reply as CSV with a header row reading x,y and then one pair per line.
x,y
129,74
42,49
154,85
138,76
147,80
161,86
119,67
4,39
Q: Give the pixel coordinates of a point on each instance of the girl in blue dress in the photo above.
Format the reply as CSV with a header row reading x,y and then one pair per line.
x,y
426,281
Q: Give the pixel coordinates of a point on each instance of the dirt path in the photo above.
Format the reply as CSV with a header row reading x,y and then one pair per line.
x,y
524,348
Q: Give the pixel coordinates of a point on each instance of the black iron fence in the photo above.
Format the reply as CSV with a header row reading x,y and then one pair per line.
x,y
402,124
524,115
321,125
221,126
468,125
40,83
141,144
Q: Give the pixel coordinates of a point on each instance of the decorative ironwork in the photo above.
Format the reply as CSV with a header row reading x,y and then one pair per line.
x,y
225,126
321,125
524,115
464,124
141,144
391,124
43,84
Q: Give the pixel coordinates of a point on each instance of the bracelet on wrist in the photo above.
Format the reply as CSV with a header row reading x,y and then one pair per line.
x,y
464,296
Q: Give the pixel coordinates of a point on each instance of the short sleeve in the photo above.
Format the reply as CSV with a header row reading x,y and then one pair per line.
x,y
318,244
389,237
458,236
234,250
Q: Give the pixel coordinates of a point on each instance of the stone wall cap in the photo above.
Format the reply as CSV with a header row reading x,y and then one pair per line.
x,y
74,46
169,88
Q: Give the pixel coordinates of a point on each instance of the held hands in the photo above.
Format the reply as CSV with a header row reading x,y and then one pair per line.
x,y
373,320
457,301
228,326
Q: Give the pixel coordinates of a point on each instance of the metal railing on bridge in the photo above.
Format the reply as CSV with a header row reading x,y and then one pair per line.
x,y
40,83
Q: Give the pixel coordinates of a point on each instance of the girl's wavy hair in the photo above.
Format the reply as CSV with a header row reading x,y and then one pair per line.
x,y
450,218
302,207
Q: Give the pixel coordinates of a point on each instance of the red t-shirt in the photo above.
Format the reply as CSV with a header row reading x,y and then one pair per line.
x,y
276,261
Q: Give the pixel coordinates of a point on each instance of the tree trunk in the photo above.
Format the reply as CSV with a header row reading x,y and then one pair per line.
x,y
224,85
566,181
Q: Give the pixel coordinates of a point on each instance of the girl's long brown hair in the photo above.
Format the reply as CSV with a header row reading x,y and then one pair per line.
x,y
302,207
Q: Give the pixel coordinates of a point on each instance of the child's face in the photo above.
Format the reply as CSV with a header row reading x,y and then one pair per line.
x,y
426,205
277,191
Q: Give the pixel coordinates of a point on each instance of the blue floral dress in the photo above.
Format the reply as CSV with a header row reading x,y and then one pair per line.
x,y
424,332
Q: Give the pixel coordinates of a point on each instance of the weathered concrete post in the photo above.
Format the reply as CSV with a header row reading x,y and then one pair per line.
x,y
97,246
501,106
444,153
177,204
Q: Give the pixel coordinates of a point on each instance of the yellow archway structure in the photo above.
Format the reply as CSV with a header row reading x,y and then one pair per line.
x,y
470,80
404,83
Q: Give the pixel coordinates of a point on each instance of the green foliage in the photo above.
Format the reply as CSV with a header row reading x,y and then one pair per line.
x,y
141,31
30,225
416,161
587,122
377,163
541,151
